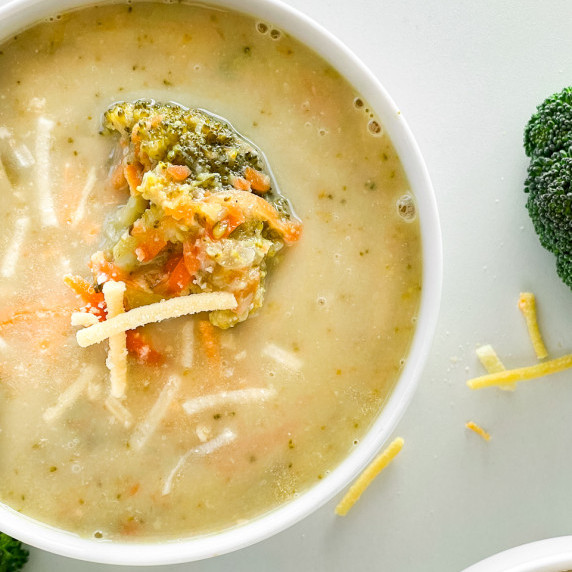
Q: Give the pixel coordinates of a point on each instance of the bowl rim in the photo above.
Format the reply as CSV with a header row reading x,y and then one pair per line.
x,y
548,555
19,14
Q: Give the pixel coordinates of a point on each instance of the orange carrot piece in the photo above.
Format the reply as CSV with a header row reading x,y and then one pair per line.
x,y
241,184
179,277
105,270
134,489
258,181
139,346
133,175
118,180
209,341
150,248
94,301
178,172
191,252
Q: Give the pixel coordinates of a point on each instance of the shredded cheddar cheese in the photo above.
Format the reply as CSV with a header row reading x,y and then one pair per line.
x,y
116,362
492,363
527,305
366,478
478,430
173,308
521,373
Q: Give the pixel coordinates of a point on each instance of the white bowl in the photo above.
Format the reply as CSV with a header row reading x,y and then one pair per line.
x,y
551,555
18,14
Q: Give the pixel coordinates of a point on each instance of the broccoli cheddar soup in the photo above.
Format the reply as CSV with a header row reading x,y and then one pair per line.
x,y
210,269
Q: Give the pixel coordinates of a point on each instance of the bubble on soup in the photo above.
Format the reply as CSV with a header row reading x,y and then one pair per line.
x,y
406,208
358,103
374,128
275,34
262,27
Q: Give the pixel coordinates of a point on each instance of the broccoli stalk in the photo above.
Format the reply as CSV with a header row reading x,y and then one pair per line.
x,y
548,143
13,555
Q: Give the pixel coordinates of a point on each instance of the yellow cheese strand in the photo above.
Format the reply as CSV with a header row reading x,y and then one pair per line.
x,y
366,478
478,430
521,373
527,305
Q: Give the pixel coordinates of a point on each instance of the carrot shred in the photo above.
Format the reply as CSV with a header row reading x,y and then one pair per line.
x,y
258,181
191,253
178,172
133,175
118,180
152,245
209,341
134,489
139,346
241,184
94,301
179,277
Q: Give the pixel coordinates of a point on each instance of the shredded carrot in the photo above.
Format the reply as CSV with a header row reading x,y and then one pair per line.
x,y
241,184
23,315
478,430
178,172
258,181
105,270
191,253
209,341
94,301
150,247
134,489
179,277
527,305
118,180
133,175
139,346
366,478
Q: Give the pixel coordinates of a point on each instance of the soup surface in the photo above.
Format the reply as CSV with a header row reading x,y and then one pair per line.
x,y
225,424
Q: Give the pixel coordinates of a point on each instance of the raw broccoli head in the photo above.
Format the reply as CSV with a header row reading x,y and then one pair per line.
x,y
13,555
548,142
550,128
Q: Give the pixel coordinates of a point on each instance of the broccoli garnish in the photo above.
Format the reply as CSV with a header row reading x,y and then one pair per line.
x,y
548,143
13,555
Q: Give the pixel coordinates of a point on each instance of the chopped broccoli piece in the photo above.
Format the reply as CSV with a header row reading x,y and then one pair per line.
x,y
13,555
180,136
204,212
548,143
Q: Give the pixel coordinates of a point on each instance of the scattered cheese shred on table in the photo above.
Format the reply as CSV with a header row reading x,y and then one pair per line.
x,y
527,305
173,308
366,478
492,363
478,430
521,373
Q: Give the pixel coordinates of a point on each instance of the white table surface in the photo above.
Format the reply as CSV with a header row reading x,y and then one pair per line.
x,y
467,75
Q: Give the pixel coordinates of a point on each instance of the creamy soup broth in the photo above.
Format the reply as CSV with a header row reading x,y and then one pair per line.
x,y
328,343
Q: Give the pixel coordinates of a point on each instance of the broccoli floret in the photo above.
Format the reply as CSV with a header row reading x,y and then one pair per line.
x,y
550,128
13,555
548,143
168,132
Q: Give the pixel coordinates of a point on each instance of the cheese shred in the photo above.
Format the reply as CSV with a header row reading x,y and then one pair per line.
x,y
366,478
527,305
116,362
478,430
522,373
492,363
137,317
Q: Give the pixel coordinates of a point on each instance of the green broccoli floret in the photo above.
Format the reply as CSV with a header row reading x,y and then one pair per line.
x,y
548,143
13,555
